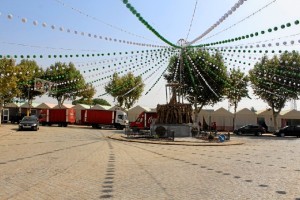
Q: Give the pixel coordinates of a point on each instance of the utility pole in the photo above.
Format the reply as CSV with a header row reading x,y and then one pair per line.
x,y
29,104
182,43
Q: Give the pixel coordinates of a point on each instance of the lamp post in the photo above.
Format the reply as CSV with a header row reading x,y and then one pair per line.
x,y
28,96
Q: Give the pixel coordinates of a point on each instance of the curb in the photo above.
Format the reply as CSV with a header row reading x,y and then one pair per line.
x,y
184,143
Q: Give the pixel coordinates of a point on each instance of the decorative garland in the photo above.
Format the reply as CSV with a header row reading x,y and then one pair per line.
x,y
115,59
269,30
241,20
233,9
267,84
283,83
138,75
267,91
211,71
101,21
131,60
65,56
191,21
189,70
198,72
130,69
231,48
144,79
123,71
143,21
90,35
177,66
156,81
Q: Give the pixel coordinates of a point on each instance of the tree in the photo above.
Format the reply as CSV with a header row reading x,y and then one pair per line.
x,y
100,102
126,89
28,71
202,77
237,89
276,80
86,95
95,101
8,82
69,82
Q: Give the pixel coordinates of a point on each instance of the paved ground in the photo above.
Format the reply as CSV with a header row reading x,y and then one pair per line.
x,y
82,163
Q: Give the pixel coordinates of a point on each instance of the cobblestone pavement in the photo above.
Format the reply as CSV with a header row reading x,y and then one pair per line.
x,y
82,163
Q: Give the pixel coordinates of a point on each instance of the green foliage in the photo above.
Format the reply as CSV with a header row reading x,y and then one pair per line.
x,y
276,80
95,101
100,102
203,76
126,89
70,83
87,94
28,70
8,81
237,87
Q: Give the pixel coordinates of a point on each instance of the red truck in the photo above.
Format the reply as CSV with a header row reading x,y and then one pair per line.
x,y
98,118
144,120
60,116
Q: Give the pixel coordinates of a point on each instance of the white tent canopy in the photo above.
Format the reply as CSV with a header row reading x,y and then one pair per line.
x,y
26,105
46,106
100,107
64,106
134,112
81,106
223,119
244,117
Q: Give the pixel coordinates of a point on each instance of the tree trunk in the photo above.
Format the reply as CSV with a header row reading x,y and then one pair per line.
x,y
59,102
63,101
195,113
234,115
275,114
29,106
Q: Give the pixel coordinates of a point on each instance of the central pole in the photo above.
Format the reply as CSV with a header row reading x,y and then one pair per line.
x,y
182,43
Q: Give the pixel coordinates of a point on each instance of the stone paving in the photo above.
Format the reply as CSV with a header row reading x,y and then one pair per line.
x,y
83,163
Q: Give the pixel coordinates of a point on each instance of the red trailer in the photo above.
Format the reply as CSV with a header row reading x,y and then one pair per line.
x,y
61,116
99,118
144,120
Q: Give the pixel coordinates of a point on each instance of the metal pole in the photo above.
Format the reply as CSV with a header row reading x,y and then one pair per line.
x,y
180,77
181,43
166,94
29,106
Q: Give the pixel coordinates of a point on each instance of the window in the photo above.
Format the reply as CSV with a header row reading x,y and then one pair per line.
x,y
33,112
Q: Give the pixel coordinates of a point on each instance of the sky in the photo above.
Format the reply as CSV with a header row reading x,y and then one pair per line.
x,y
62,28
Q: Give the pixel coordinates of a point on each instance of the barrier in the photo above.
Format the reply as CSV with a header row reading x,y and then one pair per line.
x,y
222,138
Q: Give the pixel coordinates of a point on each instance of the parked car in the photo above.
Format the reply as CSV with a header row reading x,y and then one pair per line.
x,y
288,131
29,122
250,129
